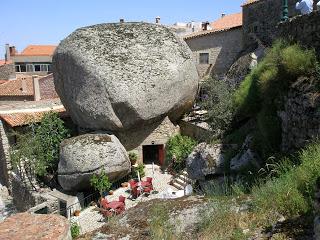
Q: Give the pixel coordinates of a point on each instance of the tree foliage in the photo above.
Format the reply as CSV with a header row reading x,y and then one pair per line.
x,y
37,149
100,182
179,147
219,104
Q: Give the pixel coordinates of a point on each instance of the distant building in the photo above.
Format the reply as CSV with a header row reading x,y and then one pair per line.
x,y
34,59
216,50
183,29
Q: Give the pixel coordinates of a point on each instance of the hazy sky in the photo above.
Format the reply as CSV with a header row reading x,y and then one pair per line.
x,y
25,22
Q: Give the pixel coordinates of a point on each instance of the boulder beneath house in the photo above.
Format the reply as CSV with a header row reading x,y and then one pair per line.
x,y
119,76
35,226
205,160
88,154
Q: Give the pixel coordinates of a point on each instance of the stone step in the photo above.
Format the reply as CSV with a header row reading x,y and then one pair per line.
x,y
184,179
177,185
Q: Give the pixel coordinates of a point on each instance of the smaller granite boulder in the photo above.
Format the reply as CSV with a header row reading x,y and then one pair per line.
x,y
35,226
83,156
205,160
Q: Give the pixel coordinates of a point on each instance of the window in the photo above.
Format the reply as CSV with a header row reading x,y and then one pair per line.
x,y
17,67
37,68
49,68
44,68
30,68
204,58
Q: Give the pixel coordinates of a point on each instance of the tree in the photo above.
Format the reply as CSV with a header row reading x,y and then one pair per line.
x,y
219,104
37,149
100,182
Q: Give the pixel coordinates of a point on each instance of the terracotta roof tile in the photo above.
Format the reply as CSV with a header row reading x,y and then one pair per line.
x,y
227,22
4,62
15,87
24,118
3,81
38,50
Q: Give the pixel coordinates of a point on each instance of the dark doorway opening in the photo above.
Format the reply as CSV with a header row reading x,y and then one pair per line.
x,y
153,154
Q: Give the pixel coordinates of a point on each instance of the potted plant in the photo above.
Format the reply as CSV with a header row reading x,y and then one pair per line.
x,y
76,213
133,158
101,183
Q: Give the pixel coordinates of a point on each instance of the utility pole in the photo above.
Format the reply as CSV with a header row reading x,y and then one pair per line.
x,y
285,10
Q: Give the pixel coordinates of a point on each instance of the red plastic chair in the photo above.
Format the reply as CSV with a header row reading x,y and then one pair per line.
x,y
122,199
132,184
149,180
135,192
104,203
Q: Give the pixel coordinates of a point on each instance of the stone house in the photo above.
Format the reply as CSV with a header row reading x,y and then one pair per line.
x,y
216,50
260,20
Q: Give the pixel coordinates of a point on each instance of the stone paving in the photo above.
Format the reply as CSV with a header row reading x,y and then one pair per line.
x,y
90,219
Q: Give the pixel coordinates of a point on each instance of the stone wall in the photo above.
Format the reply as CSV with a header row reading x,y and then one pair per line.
x,y
200,132
261,18
47,89
300,116
223,48
7,71
5,165
156,134
304,29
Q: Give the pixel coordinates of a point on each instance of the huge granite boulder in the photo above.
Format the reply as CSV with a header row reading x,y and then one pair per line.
x,y
88,154
206,160
118,76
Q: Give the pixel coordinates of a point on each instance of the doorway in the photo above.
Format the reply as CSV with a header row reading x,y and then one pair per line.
x,y
153,154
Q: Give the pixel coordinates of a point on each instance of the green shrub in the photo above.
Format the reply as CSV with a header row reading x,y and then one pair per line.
x,y
39,145
293,191
133,157
261,94
100,182
219,104
180,147
75,230
140,168
297,61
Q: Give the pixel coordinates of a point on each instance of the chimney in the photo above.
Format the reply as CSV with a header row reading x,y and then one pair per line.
x,y
158,20
192,26
223,15
36,88
121,20
24,85
12,50
7,54
205,26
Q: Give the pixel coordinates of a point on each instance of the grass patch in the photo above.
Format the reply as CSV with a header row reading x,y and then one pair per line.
x,y
160,227
261,94
291,193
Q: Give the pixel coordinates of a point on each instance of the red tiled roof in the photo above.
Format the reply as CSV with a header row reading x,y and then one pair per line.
x,y
3,81
14,87
4,62
24,118
38,50
227,22
248,2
